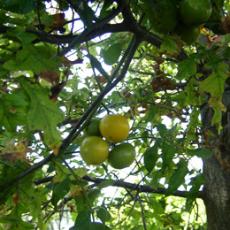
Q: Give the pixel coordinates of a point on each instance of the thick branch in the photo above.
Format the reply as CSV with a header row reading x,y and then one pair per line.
x,y
100,97
134,27
85,36
80,124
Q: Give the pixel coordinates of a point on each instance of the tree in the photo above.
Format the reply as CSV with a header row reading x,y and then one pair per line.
x,y
64,63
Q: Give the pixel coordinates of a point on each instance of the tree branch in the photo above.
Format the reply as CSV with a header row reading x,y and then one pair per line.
x,y
142,188
80,124
131,50
86,35
133,26
131,186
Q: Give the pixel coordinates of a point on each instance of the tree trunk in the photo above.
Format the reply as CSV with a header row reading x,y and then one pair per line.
x,y
217,194
217,169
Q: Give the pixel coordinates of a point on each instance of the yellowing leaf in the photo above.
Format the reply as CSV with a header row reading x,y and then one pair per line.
x,y
55,149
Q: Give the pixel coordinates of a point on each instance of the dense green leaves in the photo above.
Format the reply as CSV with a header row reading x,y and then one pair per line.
x,y
41,106
34,58
47,100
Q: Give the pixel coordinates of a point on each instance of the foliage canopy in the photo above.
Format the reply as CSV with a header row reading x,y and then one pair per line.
x,y
64,62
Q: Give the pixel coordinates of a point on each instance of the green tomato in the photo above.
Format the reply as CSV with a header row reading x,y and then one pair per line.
x,y
94,150
122,156
195,12
93,128
162,15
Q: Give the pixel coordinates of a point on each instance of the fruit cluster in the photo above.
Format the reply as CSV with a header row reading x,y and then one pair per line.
x,y
180,17
100,133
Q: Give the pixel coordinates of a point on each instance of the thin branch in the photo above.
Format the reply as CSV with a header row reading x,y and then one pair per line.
x,y
86,35
137,29
96,64
142,213
82,121
131,186
96,26
142,188
74,133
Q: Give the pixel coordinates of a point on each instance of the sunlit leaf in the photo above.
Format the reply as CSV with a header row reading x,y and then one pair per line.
x,y
112,53
187,68
150,157
42,107
201,152
178,177
103,214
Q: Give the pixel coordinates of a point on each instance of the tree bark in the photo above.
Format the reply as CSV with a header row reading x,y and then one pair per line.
x,y
217,194
217,168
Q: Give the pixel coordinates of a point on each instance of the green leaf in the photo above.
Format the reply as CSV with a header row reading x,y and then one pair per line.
x,y
13,110
22,6
178,176
196,183
168,152
106,8
60,190
150,157
201,152
43,113
162,130
112,53
34,58
169,45
83,221
86,14
186,68
103,214
215,82
153,115
98,226
215,85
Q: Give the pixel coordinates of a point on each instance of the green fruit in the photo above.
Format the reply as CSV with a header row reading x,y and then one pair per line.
x,y
162,15
94,150
188,34
195,12
93,128
122,156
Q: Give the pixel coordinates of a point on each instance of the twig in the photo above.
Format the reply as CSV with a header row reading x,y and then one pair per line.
x,y
142,213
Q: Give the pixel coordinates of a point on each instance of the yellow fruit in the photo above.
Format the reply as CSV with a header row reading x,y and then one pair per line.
x,y
94,150
114,128
122,156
